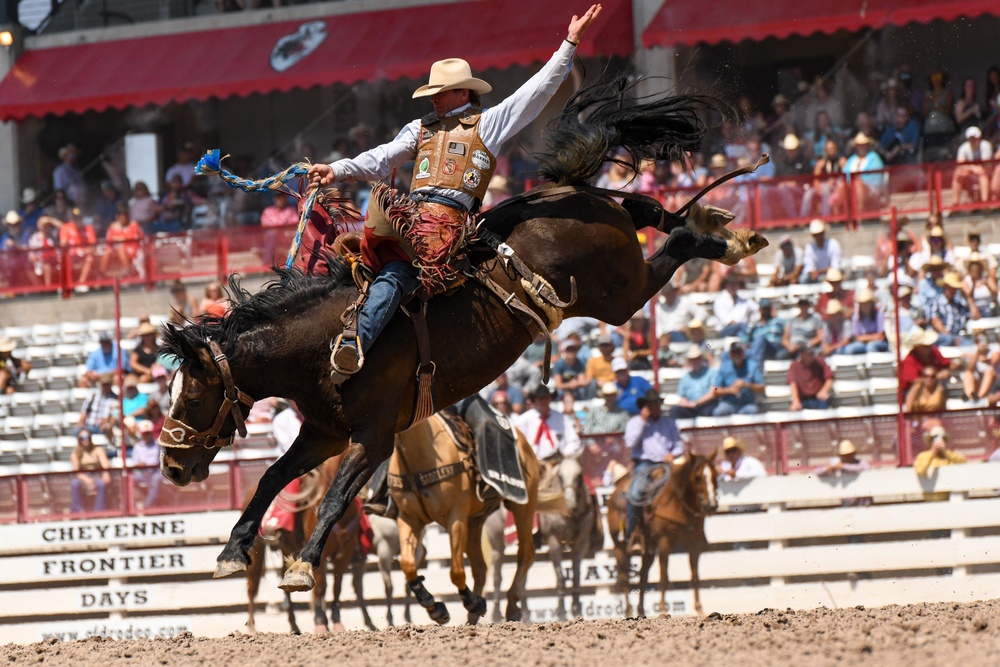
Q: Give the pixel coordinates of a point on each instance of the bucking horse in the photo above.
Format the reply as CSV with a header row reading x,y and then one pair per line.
x,y
578,240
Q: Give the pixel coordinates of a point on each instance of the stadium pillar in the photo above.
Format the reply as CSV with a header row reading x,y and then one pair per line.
x,y
904,455
9,165
656,62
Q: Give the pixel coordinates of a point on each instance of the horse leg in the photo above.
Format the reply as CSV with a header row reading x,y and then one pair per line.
x,y
320,623
357,467
474,549
647,562
254,573
494,534
663,548
693,555
576,608
555,555
458,532
358,564
409,539
299,459
524,516
339,572
384,551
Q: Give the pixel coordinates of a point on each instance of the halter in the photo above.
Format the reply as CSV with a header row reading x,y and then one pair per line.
x,y
186,437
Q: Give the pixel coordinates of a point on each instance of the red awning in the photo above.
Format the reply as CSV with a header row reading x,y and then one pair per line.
x,y
692,21
344,48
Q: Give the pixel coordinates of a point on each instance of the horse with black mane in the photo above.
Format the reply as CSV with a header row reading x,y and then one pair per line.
x,y
277,342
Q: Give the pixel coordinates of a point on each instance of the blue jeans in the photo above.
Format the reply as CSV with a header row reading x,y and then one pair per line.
x,y
946,340
814,404
725,408
762,349
396,280
76,494
632,511
737,329
857,347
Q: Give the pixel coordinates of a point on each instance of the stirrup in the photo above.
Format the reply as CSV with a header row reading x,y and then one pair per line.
x,y
346,359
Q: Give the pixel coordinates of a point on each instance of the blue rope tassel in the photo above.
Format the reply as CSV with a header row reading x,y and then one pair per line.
x,y
211,164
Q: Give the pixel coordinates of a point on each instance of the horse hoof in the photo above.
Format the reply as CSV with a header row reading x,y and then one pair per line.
x,y
339,627
476,605
577,610
474,619
321,629
298,577
226,568
439,613
514,616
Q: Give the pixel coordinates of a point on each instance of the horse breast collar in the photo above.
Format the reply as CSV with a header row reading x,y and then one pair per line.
x,y
186,437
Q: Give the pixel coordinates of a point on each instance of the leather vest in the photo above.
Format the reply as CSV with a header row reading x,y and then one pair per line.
x,y
451,154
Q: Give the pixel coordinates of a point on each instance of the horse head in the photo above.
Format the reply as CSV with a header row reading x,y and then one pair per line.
x,y
701,476
206,409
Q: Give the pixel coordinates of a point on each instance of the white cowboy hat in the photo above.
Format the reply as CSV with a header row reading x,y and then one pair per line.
x,y
7,345
451,74
846,448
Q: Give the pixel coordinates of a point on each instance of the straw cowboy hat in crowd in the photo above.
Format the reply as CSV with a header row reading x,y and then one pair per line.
x,y
733,443
916,337
846,448
7,345
451,74
951,279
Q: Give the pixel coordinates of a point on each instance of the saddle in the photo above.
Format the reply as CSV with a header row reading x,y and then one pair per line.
x,y
496,456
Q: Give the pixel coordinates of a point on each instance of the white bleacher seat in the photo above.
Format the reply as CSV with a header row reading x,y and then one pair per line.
x,y
988,324
128,324
20,334
69,423
847,367
882,390
74,332
25,403
69,354
850,392
97,327
16,428
76,398
40,450
40,356
47,426
62,377
31,383
53,401
45,334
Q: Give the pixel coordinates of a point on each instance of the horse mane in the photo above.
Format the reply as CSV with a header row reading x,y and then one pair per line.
x,y
604,115
681,486
292,290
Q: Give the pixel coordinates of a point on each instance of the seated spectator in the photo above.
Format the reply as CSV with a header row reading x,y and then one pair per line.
x,y
836,330
900,141
734,312
847,461
43,259
697,398
638,345
78,233
806,327
501,401
123,236
737,464
630,387
175,207
952,310
868,325
215,301
787,263
935,244
146,458
608,417
699,337
969,174
104,359
909,315
673,312
936,456
980,372
766,335
133,400
599,366
567,406
106,207
152,413
981,285
827,189
835,291
919,351
737,383
512,391
867,188
821,254
928,394
12,369
144,355
810,380
929,288
570,373
279,214
100,409
143,208
90,465
183,308
15,265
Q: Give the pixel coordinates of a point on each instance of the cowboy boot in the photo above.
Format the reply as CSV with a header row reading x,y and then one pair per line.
x,y
346,358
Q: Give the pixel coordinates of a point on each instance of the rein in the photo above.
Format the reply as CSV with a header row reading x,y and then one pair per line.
x,y
187,437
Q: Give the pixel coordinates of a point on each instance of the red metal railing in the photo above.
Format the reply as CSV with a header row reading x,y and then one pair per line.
x,y
784,448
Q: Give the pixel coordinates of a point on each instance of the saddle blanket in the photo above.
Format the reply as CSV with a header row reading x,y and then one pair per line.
x,y
496,449
279,515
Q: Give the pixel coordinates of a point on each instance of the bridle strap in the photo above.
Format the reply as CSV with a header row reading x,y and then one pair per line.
x,y
186,437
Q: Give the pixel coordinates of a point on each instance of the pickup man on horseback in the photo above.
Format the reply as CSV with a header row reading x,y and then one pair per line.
x,y
653,440
408,241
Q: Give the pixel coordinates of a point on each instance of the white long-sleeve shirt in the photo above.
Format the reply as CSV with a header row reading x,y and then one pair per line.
x,y
557,434
286,425
829,256
496,126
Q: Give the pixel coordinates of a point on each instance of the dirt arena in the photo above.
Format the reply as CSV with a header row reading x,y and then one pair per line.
x,y
927,634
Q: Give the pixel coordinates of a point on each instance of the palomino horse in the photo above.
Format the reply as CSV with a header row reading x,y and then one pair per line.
x,y
277,342
428,451
579,529
674,522
342,547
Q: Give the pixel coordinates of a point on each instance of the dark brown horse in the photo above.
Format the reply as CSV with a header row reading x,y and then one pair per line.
x,y
675,521
340,552
277,342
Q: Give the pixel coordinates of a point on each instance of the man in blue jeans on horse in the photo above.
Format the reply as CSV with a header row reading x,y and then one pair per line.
x,y
653,440
408,240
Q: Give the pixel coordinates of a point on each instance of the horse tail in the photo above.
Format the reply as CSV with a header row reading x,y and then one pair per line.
x,y
604,115
552,501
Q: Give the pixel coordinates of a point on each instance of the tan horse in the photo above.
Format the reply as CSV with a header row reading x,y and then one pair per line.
x,y
340,551
453,503
674,522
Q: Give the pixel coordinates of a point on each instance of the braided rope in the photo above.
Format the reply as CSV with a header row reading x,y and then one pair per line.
x,y
211,165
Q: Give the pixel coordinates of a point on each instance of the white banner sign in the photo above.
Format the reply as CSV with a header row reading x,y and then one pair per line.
x,y
108,565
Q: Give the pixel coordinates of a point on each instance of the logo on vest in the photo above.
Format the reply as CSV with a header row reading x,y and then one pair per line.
x,y
290,49
423,168
481,159
449,166
425,134
471,179
457,148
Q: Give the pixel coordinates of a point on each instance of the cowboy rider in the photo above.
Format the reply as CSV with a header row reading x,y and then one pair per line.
x,y
454,152
653,439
